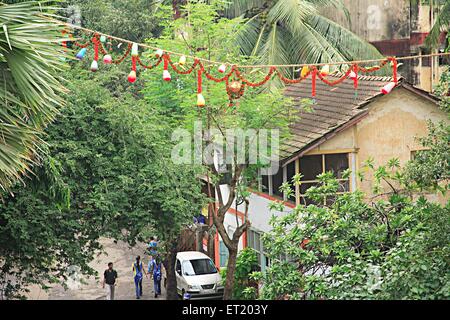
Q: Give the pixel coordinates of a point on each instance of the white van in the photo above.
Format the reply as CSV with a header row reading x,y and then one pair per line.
x,y
198,276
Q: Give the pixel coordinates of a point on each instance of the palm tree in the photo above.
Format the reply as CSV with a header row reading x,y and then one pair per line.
x,y
441,23
30,88
294,31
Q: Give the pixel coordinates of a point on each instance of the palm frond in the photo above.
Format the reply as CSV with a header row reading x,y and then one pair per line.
x,y
297,32
238,8
442,23
291,14
337,4
30,88
348,44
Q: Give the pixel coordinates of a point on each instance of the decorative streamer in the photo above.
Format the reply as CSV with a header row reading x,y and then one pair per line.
x,y
132,76
354,76
235,80
313,82
200,99
166,74
394,69
94,64
391,85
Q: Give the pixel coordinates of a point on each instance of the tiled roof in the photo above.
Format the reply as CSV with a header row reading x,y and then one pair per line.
x,y
335,106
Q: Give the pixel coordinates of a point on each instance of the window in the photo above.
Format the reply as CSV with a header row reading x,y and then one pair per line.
x,y
277,181
312,166
223,254
255,242
178,267
198,267
415,153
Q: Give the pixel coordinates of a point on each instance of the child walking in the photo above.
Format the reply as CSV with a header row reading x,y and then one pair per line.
x,y
138,270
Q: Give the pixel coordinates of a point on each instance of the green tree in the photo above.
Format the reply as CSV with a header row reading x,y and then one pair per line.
x,y
39,236
246,263
129,19
209,36
430,169
111,153
31,90
441,22
395,246
292,32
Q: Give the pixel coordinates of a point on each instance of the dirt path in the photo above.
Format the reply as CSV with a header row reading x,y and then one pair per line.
x,y
122,256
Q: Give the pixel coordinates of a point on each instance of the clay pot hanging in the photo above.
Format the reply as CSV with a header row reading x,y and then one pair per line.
x,y
235,86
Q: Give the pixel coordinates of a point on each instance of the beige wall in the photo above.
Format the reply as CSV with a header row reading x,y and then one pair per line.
x,y
388,131
376,20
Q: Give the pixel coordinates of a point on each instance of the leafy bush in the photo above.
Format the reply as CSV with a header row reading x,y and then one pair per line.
x,y
244,287
395,246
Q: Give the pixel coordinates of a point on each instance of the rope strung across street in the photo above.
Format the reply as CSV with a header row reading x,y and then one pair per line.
x,y
438,54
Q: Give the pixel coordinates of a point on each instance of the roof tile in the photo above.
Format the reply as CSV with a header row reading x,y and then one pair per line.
x,y
334,107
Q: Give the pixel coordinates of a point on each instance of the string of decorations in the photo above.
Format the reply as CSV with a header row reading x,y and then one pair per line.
x,y
233,77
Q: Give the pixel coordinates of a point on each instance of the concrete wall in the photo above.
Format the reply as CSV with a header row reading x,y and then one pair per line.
x,y
396,28
375,20
391,129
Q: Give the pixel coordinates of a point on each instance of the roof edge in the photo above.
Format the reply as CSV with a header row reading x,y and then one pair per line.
x,y
327,136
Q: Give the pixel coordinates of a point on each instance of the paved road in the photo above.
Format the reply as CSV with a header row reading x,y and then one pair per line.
x,y
90,289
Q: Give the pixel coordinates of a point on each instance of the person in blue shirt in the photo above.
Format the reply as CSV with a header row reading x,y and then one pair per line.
x,y
152,247
138,271
155,267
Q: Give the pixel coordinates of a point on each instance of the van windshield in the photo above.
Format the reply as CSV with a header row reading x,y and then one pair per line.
x,y
198,267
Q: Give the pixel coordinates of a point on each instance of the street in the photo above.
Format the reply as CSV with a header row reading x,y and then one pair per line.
x,y
91,289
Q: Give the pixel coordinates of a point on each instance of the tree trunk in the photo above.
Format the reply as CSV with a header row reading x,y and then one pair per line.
x,y
169,265
231,267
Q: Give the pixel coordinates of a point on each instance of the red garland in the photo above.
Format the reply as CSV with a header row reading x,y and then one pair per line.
x,y
212,78
119,60
313,83
199,81
150,66
133,64
373,69
254,84
292,81
189,71
394,69
336,82
355,80
166,61
98,46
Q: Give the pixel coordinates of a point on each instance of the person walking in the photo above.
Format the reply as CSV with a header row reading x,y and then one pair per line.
x,y
156,266
109,278
152,247
138,270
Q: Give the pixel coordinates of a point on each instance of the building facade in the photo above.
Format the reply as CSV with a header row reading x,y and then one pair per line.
x,y
398,28
346,128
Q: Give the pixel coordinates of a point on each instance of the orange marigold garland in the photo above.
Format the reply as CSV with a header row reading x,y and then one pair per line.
x,y
235,81
200,99
132,76
166,74
391,85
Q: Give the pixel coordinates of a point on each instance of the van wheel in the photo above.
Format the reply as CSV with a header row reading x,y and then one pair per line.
x,y
182,294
